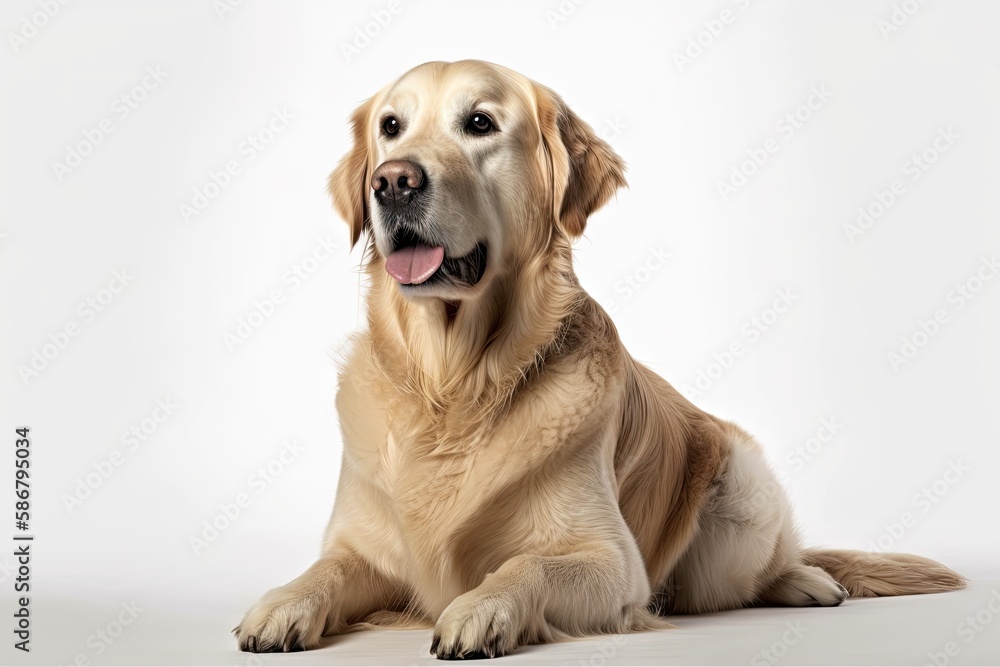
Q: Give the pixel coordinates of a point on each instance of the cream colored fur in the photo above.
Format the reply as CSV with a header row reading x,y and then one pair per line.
x,y
510,473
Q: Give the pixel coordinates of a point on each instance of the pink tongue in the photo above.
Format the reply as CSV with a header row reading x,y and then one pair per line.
x,y
415,264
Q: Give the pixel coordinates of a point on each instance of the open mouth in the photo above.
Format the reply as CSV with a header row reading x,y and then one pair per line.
x,y
415,261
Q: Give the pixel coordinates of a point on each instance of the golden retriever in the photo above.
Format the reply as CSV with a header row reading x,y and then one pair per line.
x,y
510,474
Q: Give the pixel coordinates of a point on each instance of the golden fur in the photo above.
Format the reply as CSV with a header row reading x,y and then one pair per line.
x,y
510,473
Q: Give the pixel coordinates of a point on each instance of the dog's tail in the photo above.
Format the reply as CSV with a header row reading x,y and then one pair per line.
x,y
870,575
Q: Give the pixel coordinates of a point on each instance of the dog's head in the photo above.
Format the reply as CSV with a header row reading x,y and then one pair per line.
x,y
461,171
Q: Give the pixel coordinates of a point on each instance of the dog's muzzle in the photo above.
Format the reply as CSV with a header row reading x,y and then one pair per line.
x,y
416,258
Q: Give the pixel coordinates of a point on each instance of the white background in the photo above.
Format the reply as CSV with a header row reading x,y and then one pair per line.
x,y
681,128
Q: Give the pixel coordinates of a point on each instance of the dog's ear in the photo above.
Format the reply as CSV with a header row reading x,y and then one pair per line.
x,y
586,171
349,182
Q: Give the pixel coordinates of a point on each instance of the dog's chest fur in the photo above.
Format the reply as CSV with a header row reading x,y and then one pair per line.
x,y
437,473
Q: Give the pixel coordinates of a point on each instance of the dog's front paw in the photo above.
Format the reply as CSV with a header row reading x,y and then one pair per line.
x,y
284,620
477,625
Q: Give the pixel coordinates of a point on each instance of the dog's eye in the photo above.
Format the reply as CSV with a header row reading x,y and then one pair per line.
x,y
390,126
479,123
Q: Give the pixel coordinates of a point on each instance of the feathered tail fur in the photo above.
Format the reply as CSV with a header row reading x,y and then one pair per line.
x,y
871,575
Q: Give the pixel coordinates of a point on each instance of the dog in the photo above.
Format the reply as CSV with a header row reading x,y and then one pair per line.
x,y
510,474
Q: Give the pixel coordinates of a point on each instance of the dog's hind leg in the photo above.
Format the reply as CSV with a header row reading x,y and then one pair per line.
x,y
804,586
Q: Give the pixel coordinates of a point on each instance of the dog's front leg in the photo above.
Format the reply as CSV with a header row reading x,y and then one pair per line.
x,y
293,617
535,598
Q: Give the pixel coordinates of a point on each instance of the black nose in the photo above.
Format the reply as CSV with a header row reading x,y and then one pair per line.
x,y
396,181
